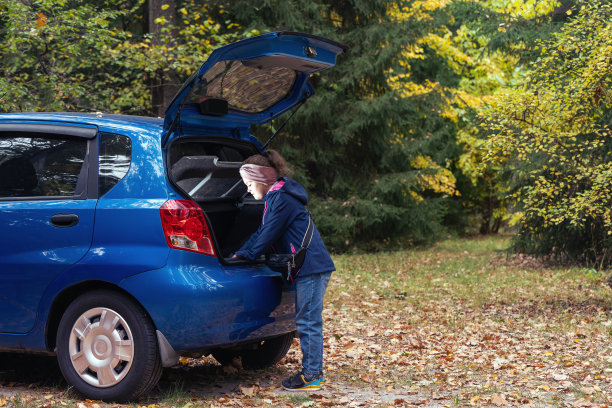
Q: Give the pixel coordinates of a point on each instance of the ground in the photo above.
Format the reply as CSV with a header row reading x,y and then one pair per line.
x,y
457,324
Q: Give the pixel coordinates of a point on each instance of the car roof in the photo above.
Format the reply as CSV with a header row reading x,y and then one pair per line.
x,y
138,124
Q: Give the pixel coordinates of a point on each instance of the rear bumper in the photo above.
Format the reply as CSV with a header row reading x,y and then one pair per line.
x,y
197,303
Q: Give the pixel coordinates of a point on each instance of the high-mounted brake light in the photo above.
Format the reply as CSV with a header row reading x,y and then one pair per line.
x,y
185,227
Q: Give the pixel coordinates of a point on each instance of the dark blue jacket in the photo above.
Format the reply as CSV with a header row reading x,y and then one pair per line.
x,y
283,226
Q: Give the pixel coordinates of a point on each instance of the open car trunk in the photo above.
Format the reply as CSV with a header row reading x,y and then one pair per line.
x,y
207,171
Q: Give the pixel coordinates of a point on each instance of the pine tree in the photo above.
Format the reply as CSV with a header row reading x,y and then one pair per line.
x,y
373,156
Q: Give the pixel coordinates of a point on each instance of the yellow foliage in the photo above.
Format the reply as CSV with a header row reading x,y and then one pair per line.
x,y
445,48
435,178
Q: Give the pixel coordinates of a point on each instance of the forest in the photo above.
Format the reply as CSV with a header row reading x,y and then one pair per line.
x,y
445,117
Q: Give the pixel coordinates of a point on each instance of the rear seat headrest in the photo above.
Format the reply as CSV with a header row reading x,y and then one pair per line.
x,y
188,167
193,167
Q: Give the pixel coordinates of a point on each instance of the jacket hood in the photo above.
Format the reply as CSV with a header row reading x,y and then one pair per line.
x,y
291,187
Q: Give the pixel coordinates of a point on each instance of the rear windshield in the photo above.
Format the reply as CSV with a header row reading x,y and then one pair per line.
x,y
246,85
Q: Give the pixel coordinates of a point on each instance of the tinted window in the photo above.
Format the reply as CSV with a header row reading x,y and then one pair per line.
x,y
33,166
115,159
246,85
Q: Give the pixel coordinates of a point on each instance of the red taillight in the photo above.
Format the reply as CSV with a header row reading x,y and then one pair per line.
x,y
185,227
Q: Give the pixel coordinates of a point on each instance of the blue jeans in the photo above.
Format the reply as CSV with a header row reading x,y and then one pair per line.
x,y
309,292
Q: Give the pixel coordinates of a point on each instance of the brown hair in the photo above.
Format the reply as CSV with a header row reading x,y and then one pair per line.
x,y
273,159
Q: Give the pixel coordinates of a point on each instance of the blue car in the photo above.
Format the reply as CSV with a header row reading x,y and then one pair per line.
x,y
116,231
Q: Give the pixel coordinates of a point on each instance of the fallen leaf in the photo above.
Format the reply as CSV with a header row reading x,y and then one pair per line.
x,y
499,363
587,390
559,376
583,403
3,402
416,343
499,400
247,390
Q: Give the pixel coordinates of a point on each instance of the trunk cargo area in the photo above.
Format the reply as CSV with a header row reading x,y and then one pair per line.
x,y
207,170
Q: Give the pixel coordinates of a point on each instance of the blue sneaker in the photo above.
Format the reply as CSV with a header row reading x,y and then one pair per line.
x,y
301,382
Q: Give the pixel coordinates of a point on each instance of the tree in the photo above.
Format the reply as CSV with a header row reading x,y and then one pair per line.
x,y
551,140
163,28
71,55
489,44
54,53
374,155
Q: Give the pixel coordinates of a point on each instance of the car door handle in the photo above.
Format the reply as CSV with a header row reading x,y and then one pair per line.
x,y
65,220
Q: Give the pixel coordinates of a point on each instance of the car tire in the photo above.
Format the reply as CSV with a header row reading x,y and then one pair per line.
x,y
107,347
264,354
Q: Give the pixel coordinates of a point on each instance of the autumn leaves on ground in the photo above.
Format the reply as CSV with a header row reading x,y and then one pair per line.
x,y
458,324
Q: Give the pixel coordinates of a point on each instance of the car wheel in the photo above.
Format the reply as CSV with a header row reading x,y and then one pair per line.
x,y
107,347
262,355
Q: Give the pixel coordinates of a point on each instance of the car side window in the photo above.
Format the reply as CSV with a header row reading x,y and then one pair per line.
x,y
37,166
115,159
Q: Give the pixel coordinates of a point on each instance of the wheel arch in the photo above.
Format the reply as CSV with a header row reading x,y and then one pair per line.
x,y
68,295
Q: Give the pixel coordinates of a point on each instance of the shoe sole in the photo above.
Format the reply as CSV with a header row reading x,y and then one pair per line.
x,y
306,388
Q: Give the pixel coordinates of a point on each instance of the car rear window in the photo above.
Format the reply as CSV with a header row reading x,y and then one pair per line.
x,y
245,85
115,160
42,166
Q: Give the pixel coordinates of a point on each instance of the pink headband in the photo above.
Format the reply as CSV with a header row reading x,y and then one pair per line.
x,y
260,174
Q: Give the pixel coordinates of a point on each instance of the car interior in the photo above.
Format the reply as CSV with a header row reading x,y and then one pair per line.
x,y
207,170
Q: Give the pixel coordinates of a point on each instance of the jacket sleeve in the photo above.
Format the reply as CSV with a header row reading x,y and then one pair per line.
x,y
245,247
274,224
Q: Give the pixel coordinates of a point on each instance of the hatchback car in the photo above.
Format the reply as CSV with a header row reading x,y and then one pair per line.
x,y
116,230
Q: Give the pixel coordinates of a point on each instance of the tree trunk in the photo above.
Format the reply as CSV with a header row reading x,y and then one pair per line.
x,y
163,82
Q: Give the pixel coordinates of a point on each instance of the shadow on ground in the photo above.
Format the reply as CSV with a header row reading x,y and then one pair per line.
x,y
40,375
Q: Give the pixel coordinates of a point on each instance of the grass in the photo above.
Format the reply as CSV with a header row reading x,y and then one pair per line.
x,y
460,323
459,306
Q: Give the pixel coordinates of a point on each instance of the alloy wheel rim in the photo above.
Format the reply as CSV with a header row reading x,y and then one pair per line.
x,y
101,347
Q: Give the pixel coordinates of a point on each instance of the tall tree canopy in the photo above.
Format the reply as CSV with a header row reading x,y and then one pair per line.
x,y
390,146
551,138
86,55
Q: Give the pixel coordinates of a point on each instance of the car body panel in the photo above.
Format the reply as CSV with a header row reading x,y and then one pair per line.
x,y
34,252
197,304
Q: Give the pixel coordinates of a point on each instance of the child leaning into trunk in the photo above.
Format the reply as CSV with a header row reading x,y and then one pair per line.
x,y
283,226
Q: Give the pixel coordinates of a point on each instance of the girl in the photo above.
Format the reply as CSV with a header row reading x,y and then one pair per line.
x,y
283,225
